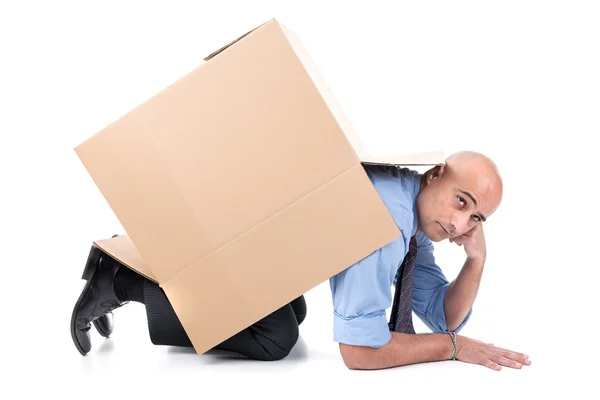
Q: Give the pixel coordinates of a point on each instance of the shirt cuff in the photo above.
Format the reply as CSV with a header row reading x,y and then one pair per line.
x,y
367,330
437,317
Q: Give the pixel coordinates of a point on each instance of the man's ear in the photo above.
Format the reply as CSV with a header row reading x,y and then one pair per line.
x,y
435,173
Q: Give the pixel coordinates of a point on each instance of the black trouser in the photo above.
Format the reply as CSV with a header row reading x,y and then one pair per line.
x,y
269,339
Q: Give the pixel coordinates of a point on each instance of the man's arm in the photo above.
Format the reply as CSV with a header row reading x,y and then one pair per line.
x,y
360,324
359,318
402,349
440,311
361,294
463,290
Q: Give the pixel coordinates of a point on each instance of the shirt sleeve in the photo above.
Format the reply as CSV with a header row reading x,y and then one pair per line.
x,y
361,294
430,287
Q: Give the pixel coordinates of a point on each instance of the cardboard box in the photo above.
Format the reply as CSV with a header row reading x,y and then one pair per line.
x,y
240,186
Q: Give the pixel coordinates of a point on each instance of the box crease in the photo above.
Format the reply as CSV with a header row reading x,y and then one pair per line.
x,y
192,263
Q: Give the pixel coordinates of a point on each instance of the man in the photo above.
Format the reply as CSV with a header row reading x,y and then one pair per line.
x,y
450,201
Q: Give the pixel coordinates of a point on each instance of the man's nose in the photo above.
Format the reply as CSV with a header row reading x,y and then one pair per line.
x,y
459,225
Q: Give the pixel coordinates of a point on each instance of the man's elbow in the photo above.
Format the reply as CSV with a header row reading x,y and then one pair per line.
x,y
353,356
454,322
451,326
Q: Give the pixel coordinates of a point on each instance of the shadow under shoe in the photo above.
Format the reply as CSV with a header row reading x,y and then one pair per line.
x,y
97,299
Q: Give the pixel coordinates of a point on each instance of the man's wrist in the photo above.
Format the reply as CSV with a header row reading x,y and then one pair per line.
x,y
454,346
476,261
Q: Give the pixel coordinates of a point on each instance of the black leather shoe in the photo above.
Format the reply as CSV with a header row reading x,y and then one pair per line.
x,y
97,299
105,324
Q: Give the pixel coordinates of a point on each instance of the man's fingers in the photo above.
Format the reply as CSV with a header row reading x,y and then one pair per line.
x,y
490,364
469,233
462,240
511,355
459,240
507,362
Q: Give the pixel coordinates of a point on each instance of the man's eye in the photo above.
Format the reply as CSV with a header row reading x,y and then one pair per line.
x,y
461,201
476,218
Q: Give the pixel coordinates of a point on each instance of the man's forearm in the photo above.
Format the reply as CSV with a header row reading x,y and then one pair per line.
x,y
462,292
402,349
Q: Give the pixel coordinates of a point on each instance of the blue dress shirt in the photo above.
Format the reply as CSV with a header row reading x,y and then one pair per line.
x,y
362,292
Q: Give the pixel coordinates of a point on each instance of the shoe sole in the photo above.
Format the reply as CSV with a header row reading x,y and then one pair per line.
x,y
88,274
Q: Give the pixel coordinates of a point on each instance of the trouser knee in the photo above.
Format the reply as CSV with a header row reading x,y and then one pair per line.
x,y
280,346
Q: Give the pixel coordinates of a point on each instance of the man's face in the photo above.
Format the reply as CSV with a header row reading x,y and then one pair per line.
x,y
453,201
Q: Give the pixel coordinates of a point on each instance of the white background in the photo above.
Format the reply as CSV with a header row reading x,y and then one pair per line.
x,y
516,80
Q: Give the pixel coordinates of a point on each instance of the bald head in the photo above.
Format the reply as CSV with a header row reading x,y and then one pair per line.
x,y
458,195
475,169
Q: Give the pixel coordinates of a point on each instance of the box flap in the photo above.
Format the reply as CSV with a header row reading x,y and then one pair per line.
x,y
122,249
416,159
325,92
214,53
428,158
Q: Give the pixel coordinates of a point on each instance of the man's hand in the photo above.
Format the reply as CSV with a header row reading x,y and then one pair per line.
x,y
474,242
477,352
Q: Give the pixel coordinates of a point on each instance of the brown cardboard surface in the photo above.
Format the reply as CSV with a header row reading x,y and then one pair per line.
x,y
240,186
186,175
123,250
214,53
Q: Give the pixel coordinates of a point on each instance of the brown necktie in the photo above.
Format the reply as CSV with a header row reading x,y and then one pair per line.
x,y
401,316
